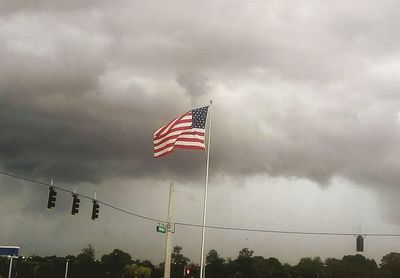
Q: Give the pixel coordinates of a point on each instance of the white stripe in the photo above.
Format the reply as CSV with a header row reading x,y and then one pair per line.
x,y
163,151
166,126
171,127
182,125
186,143
180,135
159,139
179,143
199,129
172,140
192,136
187,117
157,131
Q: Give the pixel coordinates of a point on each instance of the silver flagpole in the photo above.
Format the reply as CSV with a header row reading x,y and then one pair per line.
x,y
205,194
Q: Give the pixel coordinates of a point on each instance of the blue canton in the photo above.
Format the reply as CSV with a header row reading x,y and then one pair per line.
x,y
199,117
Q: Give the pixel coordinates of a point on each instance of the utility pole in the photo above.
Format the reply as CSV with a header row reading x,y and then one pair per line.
x,y
66,268
11,263
168,240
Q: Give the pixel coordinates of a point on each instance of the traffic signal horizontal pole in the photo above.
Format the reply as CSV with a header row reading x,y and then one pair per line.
x,y
206,226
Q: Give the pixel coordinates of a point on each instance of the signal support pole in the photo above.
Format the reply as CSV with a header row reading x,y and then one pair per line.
x,y
66,269
10,269
168,240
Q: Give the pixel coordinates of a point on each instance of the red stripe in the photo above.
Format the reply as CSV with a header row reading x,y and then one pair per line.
x,y
178,140
164,154
166,146
179,118
190,147
173,130
176,136
190,140
182,122
167,125
166,139
181,147
176,145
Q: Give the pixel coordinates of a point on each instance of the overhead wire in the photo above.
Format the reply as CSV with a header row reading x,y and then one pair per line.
x,y
82,196
269,210
185,224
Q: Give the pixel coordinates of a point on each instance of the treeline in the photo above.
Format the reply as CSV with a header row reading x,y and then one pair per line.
x,y
119,264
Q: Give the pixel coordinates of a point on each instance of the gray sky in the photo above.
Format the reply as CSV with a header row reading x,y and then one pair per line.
x,y
305,123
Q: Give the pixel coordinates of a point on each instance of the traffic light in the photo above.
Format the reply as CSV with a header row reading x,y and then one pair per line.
x,y
51,202
75,204
187,270
95,210
360,243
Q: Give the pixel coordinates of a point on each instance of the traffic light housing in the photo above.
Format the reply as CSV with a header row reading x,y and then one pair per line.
x,y
95,210
187,270
360,243
75,204
51,202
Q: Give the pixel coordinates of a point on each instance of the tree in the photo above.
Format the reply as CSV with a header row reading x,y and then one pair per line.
x,y
310,268
177,258
214,265
356,266
89,253
143,272
260,267
136,271
4,264
213,258
246,253
178,262
243,264
114,263
390,265
84,264
359,266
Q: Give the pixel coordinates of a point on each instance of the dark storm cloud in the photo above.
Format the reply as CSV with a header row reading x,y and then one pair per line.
x,y
304,91
194,83
297,93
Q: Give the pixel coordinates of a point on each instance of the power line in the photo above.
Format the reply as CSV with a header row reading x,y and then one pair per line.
x,y
264,210
198,225
82,196
284,231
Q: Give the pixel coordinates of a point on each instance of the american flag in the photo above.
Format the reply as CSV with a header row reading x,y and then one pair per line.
x,y
185,132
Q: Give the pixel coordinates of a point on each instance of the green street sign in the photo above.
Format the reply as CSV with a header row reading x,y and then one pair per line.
x,y
161,229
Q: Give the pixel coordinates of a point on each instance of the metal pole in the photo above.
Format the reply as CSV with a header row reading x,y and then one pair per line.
x,y
168,240
66,269
205,195
10,269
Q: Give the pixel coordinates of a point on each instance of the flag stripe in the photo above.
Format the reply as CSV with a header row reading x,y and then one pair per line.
x,y
191,147
167,152
166,128
177,141
189,143
176,135
163,130
170,149
178,128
